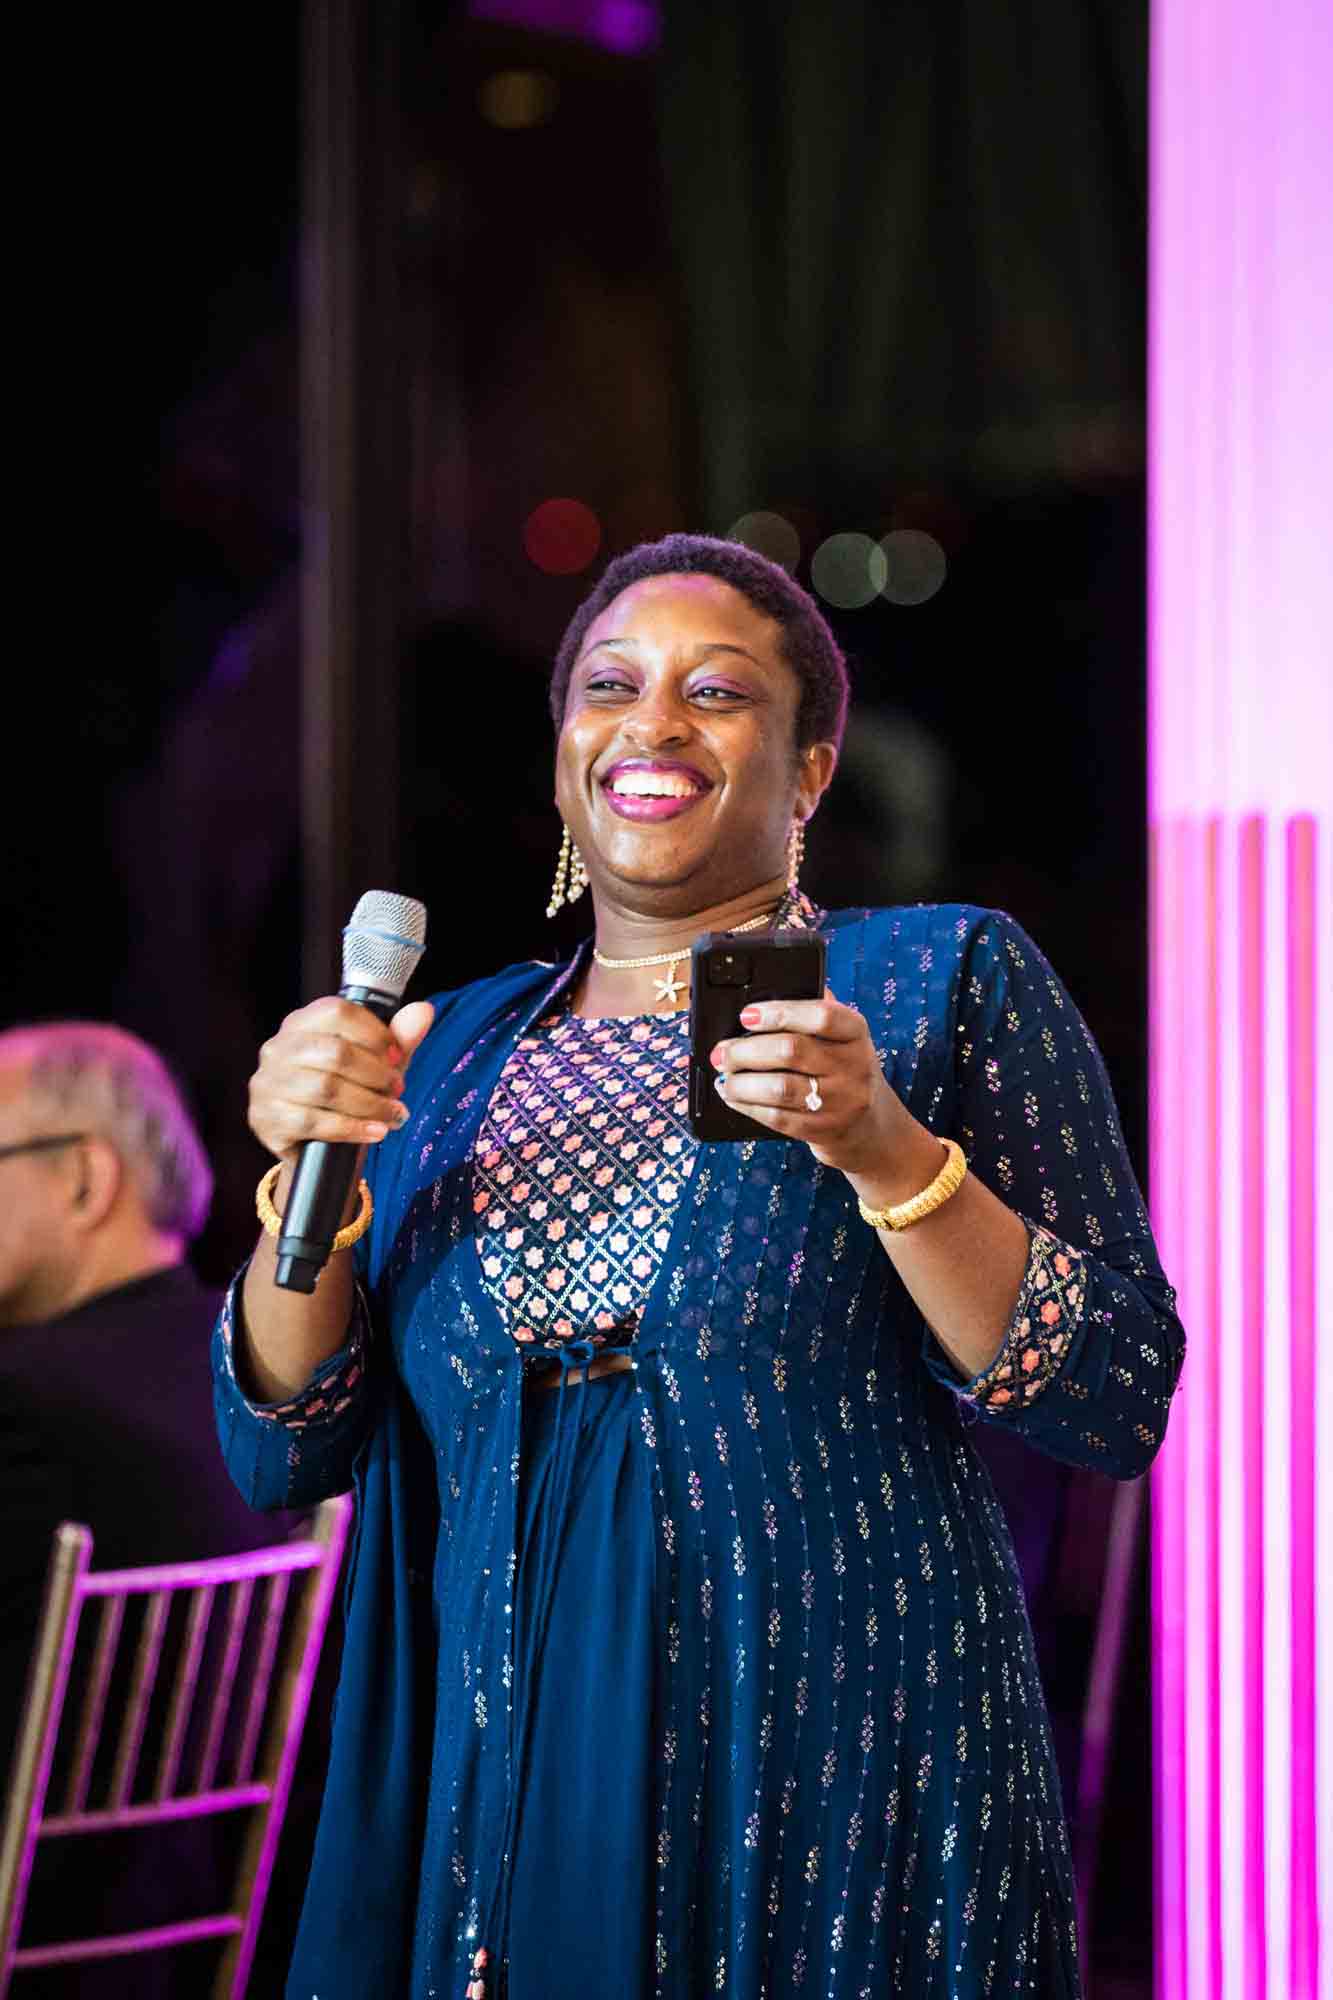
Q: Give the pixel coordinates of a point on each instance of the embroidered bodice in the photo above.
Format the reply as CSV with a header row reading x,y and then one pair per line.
x,y
579,1163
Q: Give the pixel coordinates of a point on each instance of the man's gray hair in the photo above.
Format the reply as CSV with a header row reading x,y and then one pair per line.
x,y
98,1078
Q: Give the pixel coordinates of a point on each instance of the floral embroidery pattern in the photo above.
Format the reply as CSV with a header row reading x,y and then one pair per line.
x,y
330,1389
578,1167
1046,1316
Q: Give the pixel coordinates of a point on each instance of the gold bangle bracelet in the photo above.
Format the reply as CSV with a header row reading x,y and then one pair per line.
x,y
272,1221
945,1184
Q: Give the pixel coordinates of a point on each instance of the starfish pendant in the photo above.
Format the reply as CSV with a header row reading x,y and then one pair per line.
x,y
669,988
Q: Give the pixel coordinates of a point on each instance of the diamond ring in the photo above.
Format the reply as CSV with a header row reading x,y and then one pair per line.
x,y
813,1100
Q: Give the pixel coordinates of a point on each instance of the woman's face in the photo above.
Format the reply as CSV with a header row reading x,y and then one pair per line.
x,y
675,768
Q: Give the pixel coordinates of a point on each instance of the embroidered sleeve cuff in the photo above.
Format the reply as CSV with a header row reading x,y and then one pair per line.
x,y
330,1389
1046,1317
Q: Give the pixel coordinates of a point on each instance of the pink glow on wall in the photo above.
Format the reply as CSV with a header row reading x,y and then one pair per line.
x,y
626,27
1241,783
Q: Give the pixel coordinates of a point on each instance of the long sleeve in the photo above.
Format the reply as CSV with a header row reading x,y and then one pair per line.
x,y
1092,1354
302,1450
298,1452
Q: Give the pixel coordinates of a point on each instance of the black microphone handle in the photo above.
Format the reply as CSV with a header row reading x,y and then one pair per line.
x,y
313,1212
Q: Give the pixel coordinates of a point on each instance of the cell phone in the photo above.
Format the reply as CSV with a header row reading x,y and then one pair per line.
x,y
728,972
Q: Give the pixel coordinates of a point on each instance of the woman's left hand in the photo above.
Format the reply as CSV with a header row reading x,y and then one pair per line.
x,y
796,1050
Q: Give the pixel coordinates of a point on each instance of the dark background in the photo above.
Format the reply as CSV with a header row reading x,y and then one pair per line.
x,y
867,267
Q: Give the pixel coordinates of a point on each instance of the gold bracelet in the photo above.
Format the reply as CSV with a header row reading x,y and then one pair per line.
x,y
945,1184
272,1221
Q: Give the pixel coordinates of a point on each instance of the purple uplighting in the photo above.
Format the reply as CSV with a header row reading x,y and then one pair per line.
x,y
1241,752
624,27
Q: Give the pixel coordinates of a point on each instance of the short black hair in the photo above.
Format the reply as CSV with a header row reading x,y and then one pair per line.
x,y
808,646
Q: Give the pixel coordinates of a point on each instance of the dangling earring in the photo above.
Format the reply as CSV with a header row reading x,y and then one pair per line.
x,y
571,876
578,874
795,855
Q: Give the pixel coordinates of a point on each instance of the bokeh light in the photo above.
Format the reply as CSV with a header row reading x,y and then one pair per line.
x,y
772,535
562,536
915,565
518,99
848,570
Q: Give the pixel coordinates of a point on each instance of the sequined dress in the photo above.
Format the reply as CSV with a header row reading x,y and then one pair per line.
x,y
712,1676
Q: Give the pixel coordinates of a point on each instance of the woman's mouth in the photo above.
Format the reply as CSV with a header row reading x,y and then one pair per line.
x,y
642,789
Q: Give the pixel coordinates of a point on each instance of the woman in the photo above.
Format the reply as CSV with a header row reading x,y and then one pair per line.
x,y
686,1650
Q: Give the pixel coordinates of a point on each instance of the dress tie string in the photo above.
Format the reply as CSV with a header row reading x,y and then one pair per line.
x,y
488,1980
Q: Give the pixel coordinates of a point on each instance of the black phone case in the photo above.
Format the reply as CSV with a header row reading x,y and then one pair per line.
x,y
728,971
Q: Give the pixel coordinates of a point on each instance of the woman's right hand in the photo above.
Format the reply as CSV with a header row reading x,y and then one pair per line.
x,y
334,1071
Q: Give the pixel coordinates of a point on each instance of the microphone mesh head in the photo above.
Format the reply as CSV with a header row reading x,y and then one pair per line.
x,y
382,945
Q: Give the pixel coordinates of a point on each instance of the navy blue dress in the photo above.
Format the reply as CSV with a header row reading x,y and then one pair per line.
x,y
714,1675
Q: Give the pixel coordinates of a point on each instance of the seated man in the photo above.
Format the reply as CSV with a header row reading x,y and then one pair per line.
x,y
105,1397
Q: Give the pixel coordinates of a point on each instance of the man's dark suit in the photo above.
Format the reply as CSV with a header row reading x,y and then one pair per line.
x,y
106,1418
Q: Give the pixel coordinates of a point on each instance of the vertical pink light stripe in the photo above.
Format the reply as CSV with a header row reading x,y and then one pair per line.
x,y
1251,1085
1302,988
1240,686
1168,1574
1205,1037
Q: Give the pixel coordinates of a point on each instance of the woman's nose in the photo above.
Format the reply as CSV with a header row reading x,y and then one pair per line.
x,y
657,721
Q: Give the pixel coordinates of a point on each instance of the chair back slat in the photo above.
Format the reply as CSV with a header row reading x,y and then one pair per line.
x,y
125,1944
182,1689
295,1683
158,1812
94,1703
142,1683
273,1644
39,1726
238,1613
275,1603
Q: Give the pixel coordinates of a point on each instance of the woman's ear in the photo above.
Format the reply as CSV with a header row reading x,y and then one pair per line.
x,y
818,761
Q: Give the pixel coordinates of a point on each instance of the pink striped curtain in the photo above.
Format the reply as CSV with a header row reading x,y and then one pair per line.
x,y
1241,759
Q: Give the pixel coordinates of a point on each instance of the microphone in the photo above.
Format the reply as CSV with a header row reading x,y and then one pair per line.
x,y
382,948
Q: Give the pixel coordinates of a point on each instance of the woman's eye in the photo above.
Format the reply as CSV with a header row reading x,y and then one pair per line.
x,y
709,692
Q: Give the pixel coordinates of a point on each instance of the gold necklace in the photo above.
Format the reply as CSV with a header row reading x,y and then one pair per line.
x,y
668,988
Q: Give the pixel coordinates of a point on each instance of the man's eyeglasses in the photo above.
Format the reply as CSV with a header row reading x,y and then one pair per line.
x,y
42,1145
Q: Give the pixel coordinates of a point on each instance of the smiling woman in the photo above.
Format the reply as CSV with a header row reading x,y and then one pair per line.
x,y
711,1673
678,771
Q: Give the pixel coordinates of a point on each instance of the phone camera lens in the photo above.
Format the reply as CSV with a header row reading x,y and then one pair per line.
x,y
729,968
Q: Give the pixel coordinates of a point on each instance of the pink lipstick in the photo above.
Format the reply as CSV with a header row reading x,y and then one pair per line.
x,y
653,788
